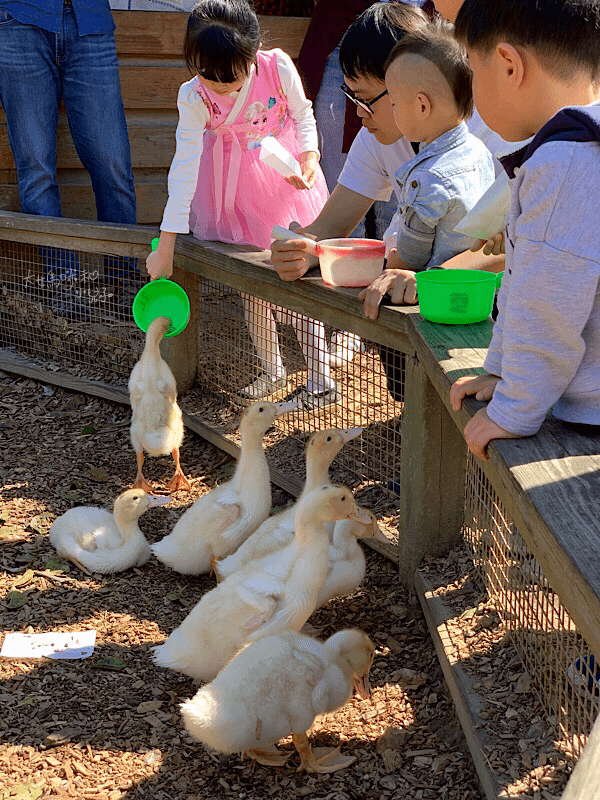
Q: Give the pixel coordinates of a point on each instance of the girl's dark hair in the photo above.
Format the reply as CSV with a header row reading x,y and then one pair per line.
x,y
564,34
438,45
368,41
221,39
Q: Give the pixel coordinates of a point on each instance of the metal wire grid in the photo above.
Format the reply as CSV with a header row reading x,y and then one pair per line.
x,y
243,337
70,310
553,651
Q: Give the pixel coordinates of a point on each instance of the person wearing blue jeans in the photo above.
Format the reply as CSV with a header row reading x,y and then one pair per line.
x,y
65,49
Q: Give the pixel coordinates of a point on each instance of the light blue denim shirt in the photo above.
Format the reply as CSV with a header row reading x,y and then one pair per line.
x,y
435,190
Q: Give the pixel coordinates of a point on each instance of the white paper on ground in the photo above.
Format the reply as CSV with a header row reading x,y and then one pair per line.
x,y
275,155
71,644
488,215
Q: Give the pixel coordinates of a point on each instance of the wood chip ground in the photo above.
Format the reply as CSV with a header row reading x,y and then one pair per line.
x,y
109,726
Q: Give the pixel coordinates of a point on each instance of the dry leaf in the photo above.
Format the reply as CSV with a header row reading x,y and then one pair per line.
x,y
99,474
25,578
15,599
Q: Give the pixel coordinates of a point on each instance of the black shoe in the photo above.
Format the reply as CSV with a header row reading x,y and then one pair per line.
x,y
311,401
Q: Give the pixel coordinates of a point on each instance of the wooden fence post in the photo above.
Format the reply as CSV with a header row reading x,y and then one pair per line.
x,y
584,783
432,475
181,352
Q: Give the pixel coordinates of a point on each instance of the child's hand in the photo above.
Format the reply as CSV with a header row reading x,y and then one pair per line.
x,y
158,266
482,386
159,263
308,164
492,246
289,257
401,284
480,430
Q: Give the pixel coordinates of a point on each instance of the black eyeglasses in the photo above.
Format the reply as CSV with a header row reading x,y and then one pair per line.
x,y
364,104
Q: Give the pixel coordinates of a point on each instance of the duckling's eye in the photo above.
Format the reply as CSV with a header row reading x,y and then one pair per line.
x,y
136,497
261,409
329,438
343,498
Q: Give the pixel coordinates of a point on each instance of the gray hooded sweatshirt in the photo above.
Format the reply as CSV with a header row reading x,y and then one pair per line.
x,y
546,340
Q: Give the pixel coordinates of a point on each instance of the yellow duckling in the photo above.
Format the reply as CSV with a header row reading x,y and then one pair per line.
x,y
218,522
98,541
275,594
277,686
346,559
278,531
156,421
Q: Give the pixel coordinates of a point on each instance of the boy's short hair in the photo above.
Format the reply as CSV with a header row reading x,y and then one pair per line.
x,y
368,41
565,34
437,44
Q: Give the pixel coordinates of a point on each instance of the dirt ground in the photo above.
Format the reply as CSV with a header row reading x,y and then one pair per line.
x,y
109,726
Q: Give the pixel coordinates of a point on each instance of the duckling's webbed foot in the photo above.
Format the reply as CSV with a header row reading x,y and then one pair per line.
x,y
321,759
269,758
141,483
178,481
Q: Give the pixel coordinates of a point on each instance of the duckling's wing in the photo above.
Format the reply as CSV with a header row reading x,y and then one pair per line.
x,y
259,592
292,614
232,512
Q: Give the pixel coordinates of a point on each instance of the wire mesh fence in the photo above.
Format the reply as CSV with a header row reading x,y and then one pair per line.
x,y
244,342
553,651
70,310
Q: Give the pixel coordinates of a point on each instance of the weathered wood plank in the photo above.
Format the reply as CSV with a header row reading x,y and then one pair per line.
x,y
157,88
152,138
78,202
432,474
162,32
584,783
465,697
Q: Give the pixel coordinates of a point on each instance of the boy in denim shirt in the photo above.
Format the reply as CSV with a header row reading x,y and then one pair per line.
x,y
429,83
536,68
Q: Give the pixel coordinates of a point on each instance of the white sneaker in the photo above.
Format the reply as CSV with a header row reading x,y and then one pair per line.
x,y
342,348
260,388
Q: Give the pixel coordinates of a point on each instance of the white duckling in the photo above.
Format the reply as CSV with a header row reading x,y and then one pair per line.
x,y
346,558
218,522
275,594
98,541
156,421
278,531
277,686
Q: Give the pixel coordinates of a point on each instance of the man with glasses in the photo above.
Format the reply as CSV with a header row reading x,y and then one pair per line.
x,y
378,150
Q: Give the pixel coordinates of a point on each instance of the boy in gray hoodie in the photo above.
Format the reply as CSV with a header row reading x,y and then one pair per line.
x,y
536,72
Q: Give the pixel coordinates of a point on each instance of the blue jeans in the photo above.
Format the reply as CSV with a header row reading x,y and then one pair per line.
x,y
37,68
330,112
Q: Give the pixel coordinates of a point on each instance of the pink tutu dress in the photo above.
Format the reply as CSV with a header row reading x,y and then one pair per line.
x,y
238,198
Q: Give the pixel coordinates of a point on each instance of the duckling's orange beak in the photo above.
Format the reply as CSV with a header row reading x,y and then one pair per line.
x,y
362,685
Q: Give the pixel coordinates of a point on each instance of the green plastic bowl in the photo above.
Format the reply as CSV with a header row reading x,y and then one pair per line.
x,y
161,298
456,296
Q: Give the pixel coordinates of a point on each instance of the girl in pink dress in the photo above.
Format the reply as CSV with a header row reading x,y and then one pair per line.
x,y
219,188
